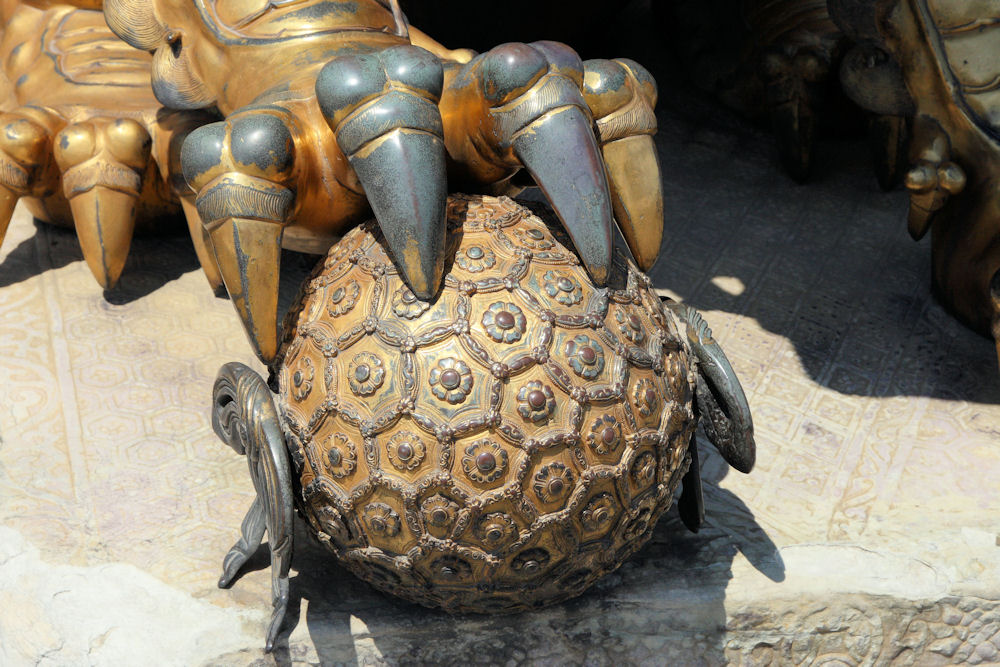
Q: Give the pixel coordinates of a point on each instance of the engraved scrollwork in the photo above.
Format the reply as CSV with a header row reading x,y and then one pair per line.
x,y
365,374
451,380
342,299
406,450
605,435
341,455
563,288
504,322
553,482
485,461
720,397
535,401
586,356
382,519
245,418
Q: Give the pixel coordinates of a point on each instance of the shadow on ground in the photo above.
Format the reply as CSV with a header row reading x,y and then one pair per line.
x,y
828,266
671,594
153,261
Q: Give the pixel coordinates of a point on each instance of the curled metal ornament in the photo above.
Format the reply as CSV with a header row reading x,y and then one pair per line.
x,y
721,403
244,417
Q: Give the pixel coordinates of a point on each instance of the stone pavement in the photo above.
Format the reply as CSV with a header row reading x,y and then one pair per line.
x,y
866,535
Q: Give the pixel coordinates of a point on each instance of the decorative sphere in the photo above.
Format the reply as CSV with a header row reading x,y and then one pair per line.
x,y
500,447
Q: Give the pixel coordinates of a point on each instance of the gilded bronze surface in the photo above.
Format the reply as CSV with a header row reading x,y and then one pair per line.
x,y
335,110
496,448
944,72
469,414
84,141
502,446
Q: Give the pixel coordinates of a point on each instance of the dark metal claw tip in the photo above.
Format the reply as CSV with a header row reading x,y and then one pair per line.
x,y
560,151
403,173
691,505
720,401
231,568
274,627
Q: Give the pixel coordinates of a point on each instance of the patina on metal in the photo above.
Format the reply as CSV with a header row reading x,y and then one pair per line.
x,y
84,142
468,413
334,110
495,448
936,62
244,416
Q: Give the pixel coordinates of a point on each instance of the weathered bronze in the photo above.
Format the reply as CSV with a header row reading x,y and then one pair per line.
x,y
336,109
469,415
798,47
84,141
945,73
498,447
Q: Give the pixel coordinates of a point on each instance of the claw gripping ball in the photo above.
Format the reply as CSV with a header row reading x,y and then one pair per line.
x,y
500,447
